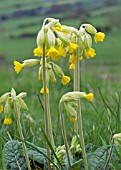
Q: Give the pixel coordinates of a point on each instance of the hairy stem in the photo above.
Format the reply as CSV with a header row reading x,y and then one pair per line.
x,y
17,113
77,88
45,105
109,156
64,135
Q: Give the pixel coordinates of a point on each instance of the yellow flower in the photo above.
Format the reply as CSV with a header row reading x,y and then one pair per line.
x,y
81,58
72,59
73,119
72,47
55,54
42,90
65,80
99,37
7,121
89,97
1,108
62,51
17,66
38,51
72,66
90,53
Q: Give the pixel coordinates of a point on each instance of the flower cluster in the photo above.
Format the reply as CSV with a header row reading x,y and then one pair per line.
x,y
6,104
75,146
70,102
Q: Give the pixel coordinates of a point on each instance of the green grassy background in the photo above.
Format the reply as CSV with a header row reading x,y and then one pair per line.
x,y
101,73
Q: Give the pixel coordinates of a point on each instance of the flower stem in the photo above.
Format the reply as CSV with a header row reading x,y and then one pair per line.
x,y
45,105
109,156
64,135
77,88
17,113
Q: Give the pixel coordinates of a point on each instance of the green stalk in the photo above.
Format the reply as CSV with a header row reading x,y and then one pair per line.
x,y
17,113
50,124
77,88
64,135
46,106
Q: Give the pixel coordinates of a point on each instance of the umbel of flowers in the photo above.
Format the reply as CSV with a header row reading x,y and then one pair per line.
x,y
10,102
55,41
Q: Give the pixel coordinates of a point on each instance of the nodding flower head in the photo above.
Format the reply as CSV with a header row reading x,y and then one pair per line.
x,y
99,37
7,104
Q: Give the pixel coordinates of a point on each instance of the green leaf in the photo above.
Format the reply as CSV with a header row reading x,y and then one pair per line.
x,y
14,158
77,165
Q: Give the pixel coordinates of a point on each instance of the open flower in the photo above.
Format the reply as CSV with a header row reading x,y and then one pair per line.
x,y
7,121
72,66
42,90
72,59
38,51
99,37
89,97
1,108
90,53
72,47
73,119
17,66
62,51
54,53
65,80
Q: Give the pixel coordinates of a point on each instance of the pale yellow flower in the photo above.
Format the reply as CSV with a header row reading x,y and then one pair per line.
x,y
54,53
65,80
42,90
72,47
7,121
17,66
99,37
1,108
72,66
73,119
72,59
62,51
90,53
89,97
38,51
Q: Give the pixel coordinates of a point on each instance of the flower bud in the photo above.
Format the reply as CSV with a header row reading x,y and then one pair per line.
x,y
13,94
22,94
72,96
30,62
70,29
52,76
1,108
71,112
62,37
49,39
22,104
89,28
117,138
87,41
58,70
40,38
7,108
40,73
4,97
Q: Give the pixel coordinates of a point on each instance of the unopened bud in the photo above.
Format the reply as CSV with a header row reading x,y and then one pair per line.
x,y
4,97
22,104
62,37
7,108
40,74
22,94
89,28
49,39
40,38
30,62
58,70
117,138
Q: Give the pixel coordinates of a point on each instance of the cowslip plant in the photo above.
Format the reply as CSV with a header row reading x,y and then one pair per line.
x,y
55,41
8,102
70,102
